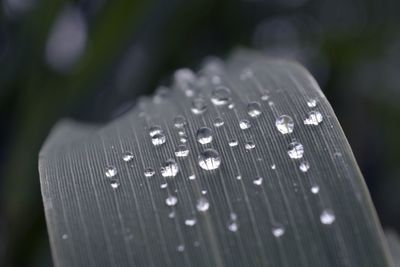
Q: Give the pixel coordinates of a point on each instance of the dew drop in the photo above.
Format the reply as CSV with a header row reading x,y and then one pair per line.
x,y
149,172
304,166
327,217
192,177
278,231
273,166
254,109
295,150
158,139
284,124
155,129
198,106
170,168
190,222
238,177
315,189
218,122
111,171
181,151
258,181
244,124
250,145
313,118
203,192
220,96
114,183
171,201
233,142
127,156
209,159
204,135
163,186
179,121
202,204
312,103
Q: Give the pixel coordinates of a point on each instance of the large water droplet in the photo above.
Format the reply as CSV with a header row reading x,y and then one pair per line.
x,y
295,150
244,124
218,122
190,222
220,96
170,168
284,124
304,166
158,139
181,151
327,217
204,135
312,103
198,106
127,156
111,171
202,204
179,121
209,159
278,231
171,201
313,118
254,109
149,172
155,129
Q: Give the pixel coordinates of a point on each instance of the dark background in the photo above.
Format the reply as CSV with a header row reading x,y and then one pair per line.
x,y
90,59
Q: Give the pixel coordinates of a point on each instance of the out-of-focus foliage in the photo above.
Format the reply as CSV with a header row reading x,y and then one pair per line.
x,y
90,59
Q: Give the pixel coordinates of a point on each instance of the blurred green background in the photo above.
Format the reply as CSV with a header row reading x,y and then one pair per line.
x,y
91,59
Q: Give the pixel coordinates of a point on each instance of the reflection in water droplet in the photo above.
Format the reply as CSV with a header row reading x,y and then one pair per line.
x,y
278,231
313,118
179,121
220,96
204,135
158,139
170,168
114,183
250,145
258,181
304,166
295,150
315,189
149,172
198,106
190,222
254,109
244,124
111,171
202,204
327,217
312,103
233,142
218,122
127,156
284,124
209,159
155,129
181,151
171,201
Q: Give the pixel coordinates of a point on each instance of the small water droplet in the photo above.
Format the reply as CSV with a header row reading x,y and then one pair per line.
x,y
244,124
327,217
312,103
315,189
220,96
163,185
233,142
114,183
273,166
179,121
203,191
183,138
64,236
295,150
171,215
198,106
238,177
190,222
171,201
155,129
216,79
170,168
158,139
258,181
304,166
111,171
192,177
180,248
204,135
250,145
127,156
209,159
218,122
313,118
232,224
231,105
284,124
278,231
149,172
202,204
265,97
254,109
181,151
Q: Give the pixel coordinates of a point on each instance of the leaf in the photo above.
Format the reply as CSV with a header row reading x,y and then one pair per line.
x,y
271,216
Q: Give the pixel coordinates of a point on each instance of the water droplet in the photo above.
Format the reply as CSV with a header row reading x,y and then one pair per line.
x,y
192,177
313,118
327,217
258,181
273,166
190,222
128,156
209,159
231,105
265,97
295,150
181,151
218,122
171,215
304,166
238,177
233,142
180,248
220,96
198,106
278,231
64,236
181,132
312,103
111,171
250,145
149,172
170,168
254,109
284,124
155,129
244,124
179,121
158,139
163,186
204,135
114,183
183,138
202,204
203,191
171,201
232,224
315,189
